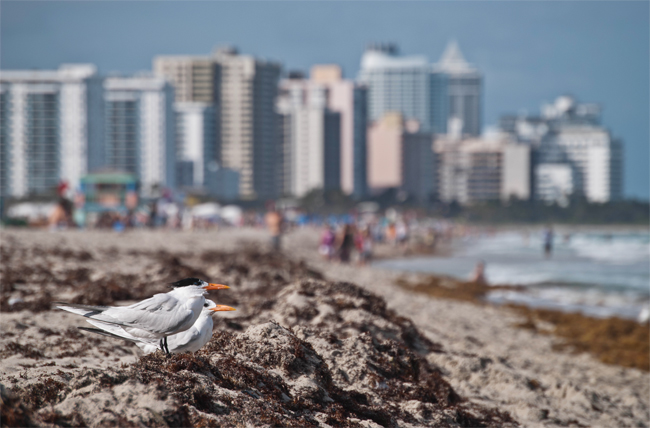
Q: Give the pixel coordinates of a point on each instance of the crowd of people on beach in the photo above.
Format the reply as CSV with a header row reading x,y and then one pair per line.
x,y
357,241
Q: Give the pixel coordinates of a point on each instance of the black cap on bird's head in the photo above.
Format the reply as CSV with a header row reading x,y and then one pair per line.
x,y
197,283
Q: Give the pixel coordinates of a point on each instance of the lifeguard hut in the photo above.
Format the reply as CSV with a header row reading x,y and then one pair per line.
x,y
107,191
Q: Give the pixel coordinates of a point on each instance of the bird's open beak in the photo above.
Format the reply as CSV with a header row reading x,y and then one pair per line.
x,y
219,308
215,287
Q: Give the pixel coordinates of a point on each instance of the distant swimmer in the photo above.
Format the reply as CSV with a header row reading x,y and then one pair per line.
x,y
548,241
478,276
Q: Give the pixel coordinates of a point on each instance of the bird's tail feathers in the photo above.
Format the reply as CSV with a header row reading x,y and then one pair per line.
x,y
105,333
83,310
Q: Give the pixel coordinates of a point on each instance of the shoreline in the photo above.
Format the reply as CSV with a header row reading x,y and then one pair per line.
x,y
565,282
485,356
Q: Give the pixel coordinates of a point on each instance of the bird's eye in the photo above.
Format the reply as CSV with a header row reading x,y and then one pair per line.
x,y
205,305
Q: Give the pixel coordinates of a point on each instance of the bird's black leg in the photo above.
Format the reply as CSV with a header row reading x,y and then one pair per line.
x,y
166,346
162,348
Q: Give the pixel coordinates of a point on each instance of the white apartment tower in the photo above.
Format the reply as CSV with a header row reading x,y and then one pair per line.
x,y
596,159
397,84
568,136
140,130
52,128
194,142
312,132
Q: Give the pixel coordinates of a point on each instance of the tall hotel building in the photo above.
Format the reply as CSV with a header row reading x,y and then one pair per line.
x,y
242,90
197,169
51,125
456,92
312,137
401,157
397,84
196,79
350,100
140,130
250,142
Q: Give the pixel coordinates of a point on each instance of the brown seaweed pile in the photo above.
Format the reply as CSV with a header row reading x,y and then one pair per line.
x,y
613,340
300,350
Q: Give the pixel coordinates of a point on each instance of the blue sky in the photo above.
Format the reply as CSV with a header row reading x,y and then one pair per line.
x,y
529,52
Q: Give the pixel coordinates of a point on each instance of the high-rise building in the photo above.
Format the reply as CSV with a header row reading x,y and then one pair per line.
x,y
397,84
456,92
596,158
194,138
474,170
349,99
554,182
401,156
197,167
4,141
418,165
195,78
52,128
568,133
312,137
140,130
249,122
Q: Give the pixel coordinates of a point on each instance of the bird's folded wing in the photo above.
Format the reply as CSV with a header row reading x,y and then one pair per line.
x,y
180,340
157,303
116,330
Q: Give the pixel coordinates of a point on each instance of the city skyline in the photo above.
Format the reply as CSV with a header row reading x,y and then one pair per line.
x,y
528,53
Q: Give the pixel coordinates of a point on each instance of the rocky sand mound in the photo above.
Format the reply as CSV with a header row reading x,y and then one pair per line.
x,y
300,350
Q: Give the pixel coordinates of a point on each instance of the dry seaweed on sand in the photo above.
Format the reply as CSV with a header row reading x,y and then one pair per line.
x,y
335,355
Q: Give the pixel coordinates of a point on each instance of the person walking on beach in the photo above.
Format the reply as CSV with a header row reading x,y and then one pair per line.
x,y
548,241
328,238
364,245
274,224
346,244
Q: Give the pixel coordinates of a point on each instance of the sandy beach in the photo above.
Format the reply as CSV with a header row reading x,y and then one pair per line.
x,y
312,343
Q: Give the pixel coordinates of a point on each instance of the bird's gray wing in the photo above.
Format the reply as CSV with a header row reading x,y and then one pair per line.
x,y
179,341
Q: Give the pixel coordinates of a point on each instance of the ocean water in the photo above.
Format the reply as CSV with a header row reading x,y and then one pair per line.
x,y
598,273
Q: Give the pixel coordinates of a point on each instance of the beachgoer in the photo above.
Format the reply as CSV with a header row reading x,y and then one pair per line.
x,y
364,245
391,233
548,241
346,243
274,223
478,276
402,234
328,238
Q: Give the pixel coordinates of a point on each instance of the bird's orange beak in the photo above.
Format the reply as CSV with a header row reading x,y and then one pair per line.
x,y
215,287
220,308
